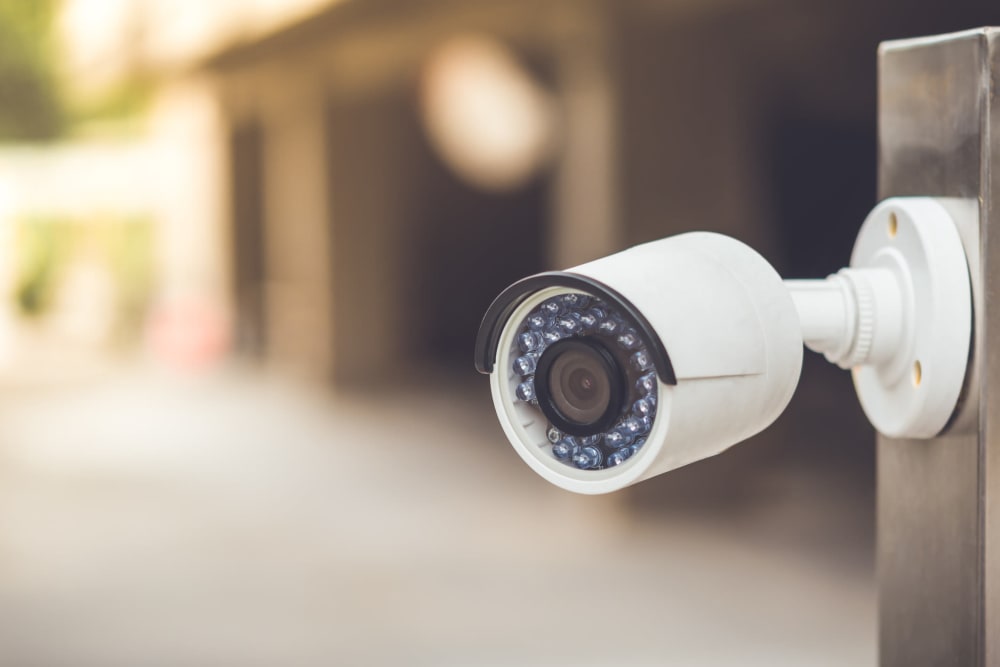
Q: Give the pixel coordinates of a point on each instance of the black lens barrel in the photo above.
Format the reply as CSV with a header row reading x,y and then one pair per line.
x,y
581,386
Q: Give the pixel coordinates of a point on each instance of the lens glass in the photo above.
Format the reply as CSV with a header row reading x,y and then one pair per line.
x,y
580,384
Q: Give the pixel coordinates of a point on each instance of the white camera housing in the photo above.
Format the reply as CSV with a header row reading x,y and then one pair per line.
x,y
729,328
725,334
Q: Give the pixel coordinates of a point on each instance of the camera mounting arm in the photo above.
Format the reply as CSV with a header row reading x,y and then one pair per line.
x,y
900,317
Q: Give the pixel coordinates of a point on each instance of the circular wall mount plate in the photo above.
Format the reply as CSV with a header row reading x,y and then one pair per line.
x,y
914,393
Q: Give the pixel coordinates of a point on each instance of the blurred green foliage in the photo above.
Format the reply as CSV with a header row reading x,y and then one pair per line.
x,y
121,245
126,100
42,247
30,106
127,245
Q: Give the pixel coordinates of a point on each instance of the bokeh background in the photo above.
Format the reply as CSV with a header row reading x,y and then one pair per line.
x,y
244,250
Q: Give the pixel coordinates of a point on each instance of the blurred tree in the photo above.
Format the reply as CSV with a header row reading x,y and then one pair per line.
x,y
30,107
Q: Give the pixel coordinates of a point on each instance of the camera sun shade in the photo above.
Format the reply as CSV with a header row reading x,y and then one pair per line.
x,y
503,306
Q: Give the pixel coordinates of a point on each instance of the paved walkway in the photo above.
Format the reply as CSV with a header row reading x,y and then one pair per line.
x,y
241,520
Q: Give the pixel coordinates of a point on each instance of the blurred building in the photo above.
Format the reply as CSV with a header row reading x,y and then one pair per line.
x,y
366,237
365,240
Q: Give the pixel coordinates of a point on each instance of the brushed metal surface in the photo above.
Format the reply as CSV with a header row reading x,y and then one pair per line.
x,y
938,505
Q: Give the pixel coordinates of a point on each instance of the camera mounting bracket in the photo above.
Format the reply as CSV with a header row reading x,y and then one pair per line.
x,y
901,316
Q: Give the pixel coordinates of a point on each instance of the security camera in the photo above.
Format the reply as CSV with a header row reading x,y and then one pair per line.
x,y
641,362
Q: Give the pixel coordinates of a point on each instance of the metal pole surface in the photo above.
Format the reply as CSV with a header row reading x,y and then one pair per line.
x,y
939,500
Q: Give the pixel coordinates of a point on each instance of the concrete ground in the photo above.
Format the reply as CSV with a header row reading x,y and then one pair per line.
x,y
240,519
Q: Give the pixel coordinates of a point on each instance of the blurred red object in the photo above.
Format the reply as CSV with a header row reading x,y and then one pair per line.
x,y
189,335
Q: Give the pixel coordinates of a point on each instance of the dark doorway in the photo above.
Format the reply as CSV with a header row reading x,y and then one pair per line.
x,y
824,186
418,255
470,244
249,270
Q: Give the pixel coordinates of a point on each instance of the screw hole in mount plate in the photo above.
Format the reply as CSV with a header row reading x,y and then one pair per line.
x,y
918,373
893,225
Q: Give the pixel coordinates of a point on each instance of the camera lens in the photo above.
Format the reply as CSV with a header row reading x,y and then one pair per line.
x,y
580,386
584,364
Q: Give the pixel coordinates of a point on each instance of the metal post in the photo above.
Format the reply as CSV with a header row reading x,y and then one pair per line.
x,y
939,500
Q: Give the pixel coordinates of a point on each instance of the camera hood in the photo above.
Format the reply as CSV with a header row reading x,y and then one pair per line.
x,y
503,306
